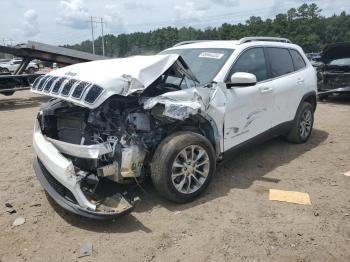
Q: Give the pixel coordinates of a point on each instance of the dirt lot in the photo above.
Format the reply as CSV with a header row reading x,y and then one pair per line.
x,y
233,221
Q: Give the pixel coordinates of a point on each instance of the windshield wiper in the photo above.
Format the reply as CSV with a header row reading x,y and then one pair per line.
x,y
210,84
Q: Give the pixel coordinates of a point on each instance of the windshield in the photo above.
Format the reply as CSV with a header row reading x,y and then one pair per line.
x,y
205,63
341,62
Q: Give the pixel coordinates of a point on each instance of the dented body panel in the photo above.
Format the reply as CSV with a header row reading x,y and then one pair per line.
x,y
120,76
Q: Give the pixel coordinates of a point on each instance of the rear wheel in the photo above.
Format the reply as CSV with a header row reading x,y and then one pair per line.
x,y
183,166
303,124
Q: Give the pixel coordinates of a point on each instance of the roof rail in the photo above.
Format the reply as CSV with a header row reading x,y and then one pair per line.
x,y
263,38
191,42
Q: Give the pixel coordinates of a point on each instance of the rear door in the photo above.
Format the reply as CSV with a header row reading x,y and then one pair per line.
x,y
286,83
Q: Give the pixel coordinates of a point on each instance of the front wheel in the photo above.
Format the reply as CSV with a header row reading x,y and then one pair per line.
x,y
5,71
183,166
31,70
303,124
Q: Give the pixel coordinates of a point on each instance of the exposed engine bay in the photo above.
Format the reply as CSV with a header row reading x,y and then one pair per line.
x,y
121,137
120,122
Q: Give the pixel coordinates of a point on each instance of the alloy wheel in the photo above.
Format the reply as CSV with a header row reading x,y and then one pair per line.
x,y
190,169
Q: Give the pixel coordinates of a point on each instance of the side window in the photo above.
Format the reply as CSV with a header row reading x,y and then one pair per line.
x,y
280,61
298,60
252,61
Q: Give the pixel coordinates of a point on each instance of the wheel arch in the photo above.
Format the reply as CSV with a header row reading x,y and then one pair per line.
x,y
204,126
309,97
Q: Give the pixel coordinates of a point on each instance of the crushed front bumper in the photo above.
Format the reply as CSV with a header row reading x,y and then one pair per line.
x,y
325,90
57,175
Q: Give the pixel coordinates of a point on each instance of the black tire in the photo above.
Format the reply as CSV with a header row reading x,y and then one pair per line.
x,y
165,155
323,97
295,134
5,71
31,70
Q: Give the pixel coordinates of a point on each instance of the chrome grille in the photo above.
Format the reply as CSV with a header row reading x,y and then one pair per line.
x,y
67,86
56,87
94,92
37,82
79,90
42,83
49,84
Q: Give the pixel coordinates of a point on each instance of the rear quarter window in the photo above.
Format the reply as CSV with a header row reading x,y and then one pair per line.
x,y
298,60
280,61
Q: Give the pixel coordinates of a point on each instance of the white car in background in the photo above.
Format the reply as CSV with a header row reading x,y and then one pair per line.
x,y
172,117
13,64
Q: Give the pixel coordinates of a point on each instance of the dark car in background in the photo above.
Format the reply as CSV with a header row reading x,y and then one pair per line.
x,y
334,75
315,59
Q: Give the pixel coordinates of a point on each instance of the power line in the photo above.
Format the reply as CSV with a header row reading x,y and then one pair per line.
x,y
239,15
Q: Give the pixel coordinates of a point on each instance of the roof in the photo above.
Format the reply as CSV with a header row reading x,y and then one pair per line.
x,y
231,44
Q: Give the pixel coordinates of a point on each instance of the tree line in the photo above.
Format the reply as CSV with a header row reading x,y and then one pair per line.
x,y
304,26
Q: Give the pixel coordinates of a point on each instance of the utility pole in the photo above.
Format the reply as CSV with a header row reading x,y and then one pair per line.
x,y
92,36
103,40
92,21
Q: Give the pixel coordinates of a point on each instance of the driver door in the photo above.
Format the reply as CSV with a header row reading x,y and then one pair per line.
x,y
249,108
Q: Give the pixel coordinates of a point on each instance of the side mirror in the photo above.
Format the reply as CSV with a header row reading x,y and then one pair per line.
x,y
241,79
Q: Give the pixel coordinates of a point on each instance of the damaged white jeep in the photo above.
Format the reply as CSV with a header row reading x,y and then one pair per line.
x,y
112,123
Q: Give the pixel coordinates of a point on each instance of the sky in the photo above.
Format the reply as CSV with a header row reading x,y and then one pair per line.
x,y
60,22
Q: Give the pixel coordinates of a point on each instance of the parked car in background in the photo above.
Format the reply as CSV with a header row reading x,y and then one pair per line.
x,y
169,116
334,74
13,64
4,60
315,59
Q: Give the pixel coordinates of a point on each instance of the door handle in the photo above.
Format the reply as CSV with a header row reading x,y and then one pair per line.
x,y
265,89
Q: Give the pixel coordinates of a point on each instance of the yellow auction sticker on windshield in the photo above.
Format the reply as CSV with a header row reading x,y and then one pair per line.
x,y
211,55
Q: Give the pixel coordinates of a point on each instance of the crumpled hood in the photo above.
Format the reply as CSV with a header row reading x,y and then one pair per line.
x,y
122,76
335,51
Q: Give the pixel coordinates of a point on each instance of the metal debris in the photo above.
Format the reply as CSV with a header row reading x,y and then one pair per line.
x,y
11,211
8,205
35,205
19,221
9,208
347,173
85,249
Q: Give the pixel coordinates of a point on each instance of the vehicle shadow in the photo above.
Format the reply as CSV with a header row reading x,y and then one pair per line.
x,y
239,170
21,103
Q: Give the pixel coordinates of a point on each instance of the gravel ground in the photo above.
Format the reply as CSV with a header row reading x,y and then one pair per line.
x,y
233,221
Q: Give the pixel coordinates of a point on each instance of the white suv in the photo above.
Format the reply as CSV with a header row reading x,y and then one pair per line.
x,y
170,116
12,65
